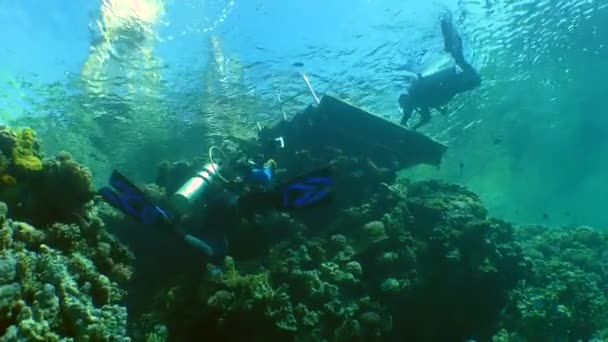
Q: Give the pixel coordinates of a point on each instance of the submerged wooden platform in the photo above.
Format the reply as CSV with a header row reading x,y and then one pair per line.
x,y
338,125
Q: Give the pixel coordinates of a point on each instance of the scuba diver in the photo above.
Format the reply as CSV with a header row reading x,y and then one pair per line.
x,y
218,213
437,89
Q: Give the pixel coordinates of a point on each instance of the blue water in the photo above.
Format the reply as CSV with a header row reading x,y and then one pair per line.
x,y
531,139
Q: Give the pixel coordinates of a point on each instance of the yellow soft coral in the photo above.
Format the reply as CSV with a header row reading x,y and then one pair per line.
x,y
28,135
25,152
24,159
7,180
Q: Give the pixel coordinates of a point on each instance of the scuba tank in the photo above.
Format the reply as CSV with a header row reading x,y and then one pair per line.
x,y
194,187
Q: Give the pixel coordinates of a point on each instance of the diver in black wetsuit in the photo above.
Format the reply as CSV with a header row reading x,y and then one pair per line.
x,y
218,214
437,89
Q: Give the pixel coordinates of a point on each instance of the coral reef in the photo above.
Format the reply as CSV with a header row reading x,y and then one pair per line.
x,y
387,259
40,191
564,294
47,294
26,151
60,269
425,246
420,256
63,188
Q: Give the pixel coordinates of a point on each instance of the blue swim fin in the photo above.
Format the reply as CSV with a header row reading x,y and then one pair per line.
x,y
301,192
128,198
308,190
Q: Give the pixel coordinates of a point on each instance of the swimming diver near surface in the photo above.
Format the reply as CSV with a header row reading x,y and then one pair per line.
x,y
437,89
219,213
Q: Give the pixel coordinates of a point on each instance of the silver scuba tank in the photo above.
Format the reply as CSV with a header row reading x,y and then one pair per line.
x,y
183,198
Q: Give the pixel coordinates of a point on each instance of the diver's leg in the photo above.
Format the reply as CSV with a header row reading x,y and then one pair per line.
x,y
253,202
453,44
448,32
407,114
220,218
451,39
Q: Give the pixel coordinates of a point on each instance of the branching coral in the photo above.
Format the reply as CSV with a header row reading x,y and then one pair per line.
x,y
259,295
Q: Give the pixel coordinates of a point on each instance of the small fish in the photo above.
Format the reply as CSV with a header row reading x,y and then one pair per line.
x,y
298,64
545,216
497,141
461,168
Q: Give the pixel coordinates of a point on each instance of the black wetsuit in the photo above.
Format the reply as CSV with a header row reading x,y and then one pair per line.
x,y
217,220
437,89
214,222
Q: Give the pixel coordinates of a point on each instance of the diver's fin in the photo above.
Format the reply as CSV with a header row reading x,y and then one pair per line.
x,y
307,190
300,192
128,198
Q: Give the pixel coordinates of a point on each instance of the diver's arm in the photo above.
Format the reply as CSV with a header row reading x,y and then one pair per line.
x,y
425,117
199,244
255,201
406,104
407,114
176,227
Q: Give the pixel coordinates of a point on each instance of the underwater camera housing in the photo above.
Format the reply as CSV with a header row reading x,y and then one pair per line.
x,y
194,187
